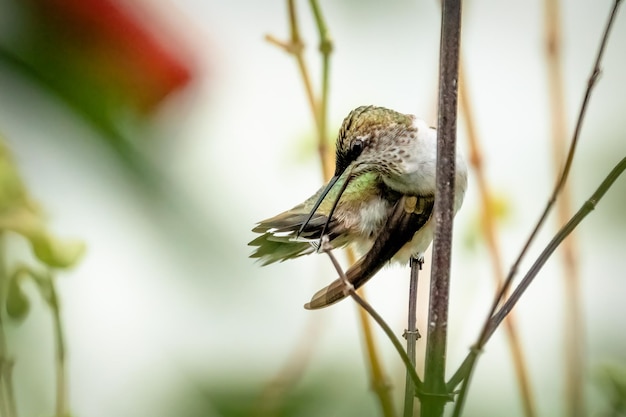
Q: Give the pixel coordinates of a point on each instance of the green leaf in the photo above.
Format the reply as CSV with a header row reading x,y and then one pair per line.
x,y
57,253
51,251
17,303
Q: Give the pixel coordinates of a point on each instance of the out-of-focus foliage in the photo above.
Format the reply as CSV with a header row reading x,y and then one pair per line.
x,y
612,381
19,214
104,62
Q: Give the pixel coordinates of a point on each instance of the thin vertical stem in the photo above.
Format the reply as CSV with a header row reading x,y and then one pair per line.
x,y
60,352
574,328
434,380
411,335
8,407
326,48
297,48
491,239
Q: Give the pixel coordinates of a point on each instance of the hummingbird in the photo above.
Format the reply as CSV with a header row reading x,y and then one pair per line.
x,y
379,200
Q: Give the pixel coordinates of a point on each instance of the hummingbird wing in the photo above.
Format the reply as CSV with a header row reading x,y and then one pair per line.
x,y
408,216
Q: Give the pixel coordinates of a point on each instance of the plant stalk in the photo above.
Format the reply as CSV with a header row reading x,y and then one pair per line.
x,y
436,395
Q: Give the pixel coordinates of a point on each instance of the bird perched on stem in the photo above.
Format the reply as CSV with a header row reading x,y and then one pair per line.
x,y
380,200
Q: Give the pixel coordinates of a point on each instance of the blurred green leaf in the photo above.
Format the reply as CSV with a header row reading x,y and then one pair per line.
x,y
17,303
20,215
501,209
57,253
612,380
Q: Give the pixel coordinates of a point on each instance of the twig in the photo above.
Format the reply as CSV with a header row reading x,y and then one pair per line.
x,y
295,47
434,379
411,334
572,315
374,314
587,207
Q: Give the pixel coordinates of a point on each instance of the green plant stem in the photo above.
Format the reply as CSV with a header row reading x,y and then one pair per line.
x,y
411,335
586,208
8,407
326,48
436,396
60,356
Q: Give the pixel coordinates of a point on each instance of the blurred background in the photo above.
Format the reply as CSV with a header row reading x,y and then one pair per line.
x,y
159,132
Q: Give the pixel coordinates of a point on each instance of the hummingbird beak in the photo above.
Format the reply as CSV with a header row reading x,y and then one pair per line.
x,y
329,187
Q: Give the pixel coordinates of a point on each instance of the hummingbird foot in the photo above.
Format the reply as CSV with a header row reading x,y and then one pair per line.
x,y
419,259
324,245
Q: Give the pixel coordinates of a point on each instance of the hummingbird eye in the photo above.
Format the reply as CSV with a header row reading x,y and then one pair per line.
x,y
356,148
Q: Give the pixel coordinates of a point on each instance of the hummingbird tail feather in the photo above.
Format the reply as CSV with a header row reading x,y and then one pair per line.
x,y
357,275
270,249
278,241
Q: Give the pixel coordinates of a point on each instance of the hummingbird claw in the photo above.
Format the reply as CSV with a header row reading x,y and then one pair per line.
x,y
419,258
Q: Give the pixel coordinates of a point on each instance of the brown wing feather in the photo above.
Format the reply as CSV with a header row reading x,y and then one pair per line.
x,y
399,229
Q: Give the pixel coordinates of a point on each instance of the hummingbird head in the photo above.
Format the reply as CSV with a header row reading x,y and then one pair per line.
x,y
370,139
